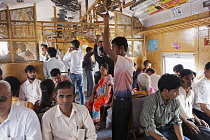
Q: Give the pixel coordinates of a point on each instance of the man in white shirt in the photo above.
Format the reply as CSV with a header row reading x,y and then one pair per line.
x,y
193,127
30,90
44,55
154,78
75,56
202,96
67,120
16,122
52,63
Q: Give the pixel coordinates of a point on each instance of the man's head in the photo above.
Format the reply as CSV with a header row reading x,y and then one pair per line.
x,y
55,73
5,98
65,94
89,49
147,64
75,43
52,51
102,52
44,47
187,77
150,71
14,83
1,73
169,84
120,45
100,43
207,70
22,47
30,70
178,68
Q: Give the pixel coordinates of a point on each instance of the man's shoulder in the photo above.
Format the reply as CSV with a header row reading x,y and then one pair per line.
x,y
50,113
23,111
80,108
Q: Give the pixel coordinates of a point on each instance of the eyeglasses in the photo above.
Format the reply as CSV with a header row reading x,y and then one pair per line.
x,y
4,98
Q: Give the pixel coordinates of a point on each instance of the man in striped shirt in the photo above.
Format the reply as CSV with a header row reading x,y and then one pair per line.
x,y
160,113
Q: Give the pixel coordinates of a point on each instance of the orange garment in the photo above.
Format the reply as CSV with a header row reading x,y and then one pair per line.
x,y
16,101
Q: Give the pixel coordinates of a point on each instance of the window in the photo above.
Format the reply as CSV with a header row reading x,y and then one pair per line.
x,y
172,59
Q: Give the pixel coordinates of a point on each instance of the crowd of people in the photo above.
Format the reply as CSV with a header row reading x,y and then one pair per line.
x,y
174,107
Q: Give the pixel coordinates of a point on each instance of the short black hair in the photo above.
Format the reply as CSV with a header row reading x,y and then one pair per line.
x,y
169,82
207,66
30,68
121,41
146,62
134,64
88,49
100,41
1,72
65,84
185,72
75,43
101,49
178,68
150,70
54,72
52,51
45,46
14,83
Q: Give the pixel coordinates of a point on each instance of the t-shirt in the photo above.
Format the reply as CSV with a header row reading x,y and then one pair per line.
x,y
123,79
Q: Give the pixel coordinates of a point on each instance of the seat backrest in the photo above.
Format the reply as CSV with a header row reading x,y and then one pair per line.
x,y
137,104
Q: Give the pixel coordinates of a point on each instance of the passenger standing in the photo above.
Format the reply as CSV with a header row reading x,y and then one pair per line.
x,y
124,68
52,63
75,56
88,66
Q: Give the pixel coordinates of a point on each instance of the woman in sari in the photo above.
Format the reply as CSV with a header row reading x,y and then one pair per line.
x,y
101,95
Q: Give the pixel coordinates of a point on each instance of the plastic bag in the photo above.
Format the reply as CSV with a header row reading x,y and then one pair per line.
x,y
109,118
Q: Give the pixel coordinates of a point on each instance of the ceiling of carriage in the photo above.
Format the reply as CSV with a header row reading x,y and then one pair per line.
x,y
150,12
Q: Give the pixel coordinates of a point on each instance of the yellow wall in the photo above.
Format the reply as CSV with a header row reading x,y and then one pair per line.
x,y
190,40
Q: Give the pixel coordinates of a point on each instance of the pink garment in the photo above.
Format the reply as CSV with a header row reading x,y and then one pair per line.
x,y
151,90
63,78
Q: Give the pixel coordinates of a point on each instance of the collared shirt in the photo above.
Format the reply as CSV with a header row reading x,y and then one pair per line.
x,y
186,101
123,76
50,64
30,92
155,113
154,81
202,93
21,124
57,126
76,59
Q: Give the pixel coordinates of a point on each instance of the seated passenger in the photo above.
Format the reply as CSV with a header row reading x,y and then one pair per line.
x,y
201,106
147,64
15,87
154,78
16,122
193,127
101,95
160,112
57,77
67,120
30,89
47,100
144,83
178,68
